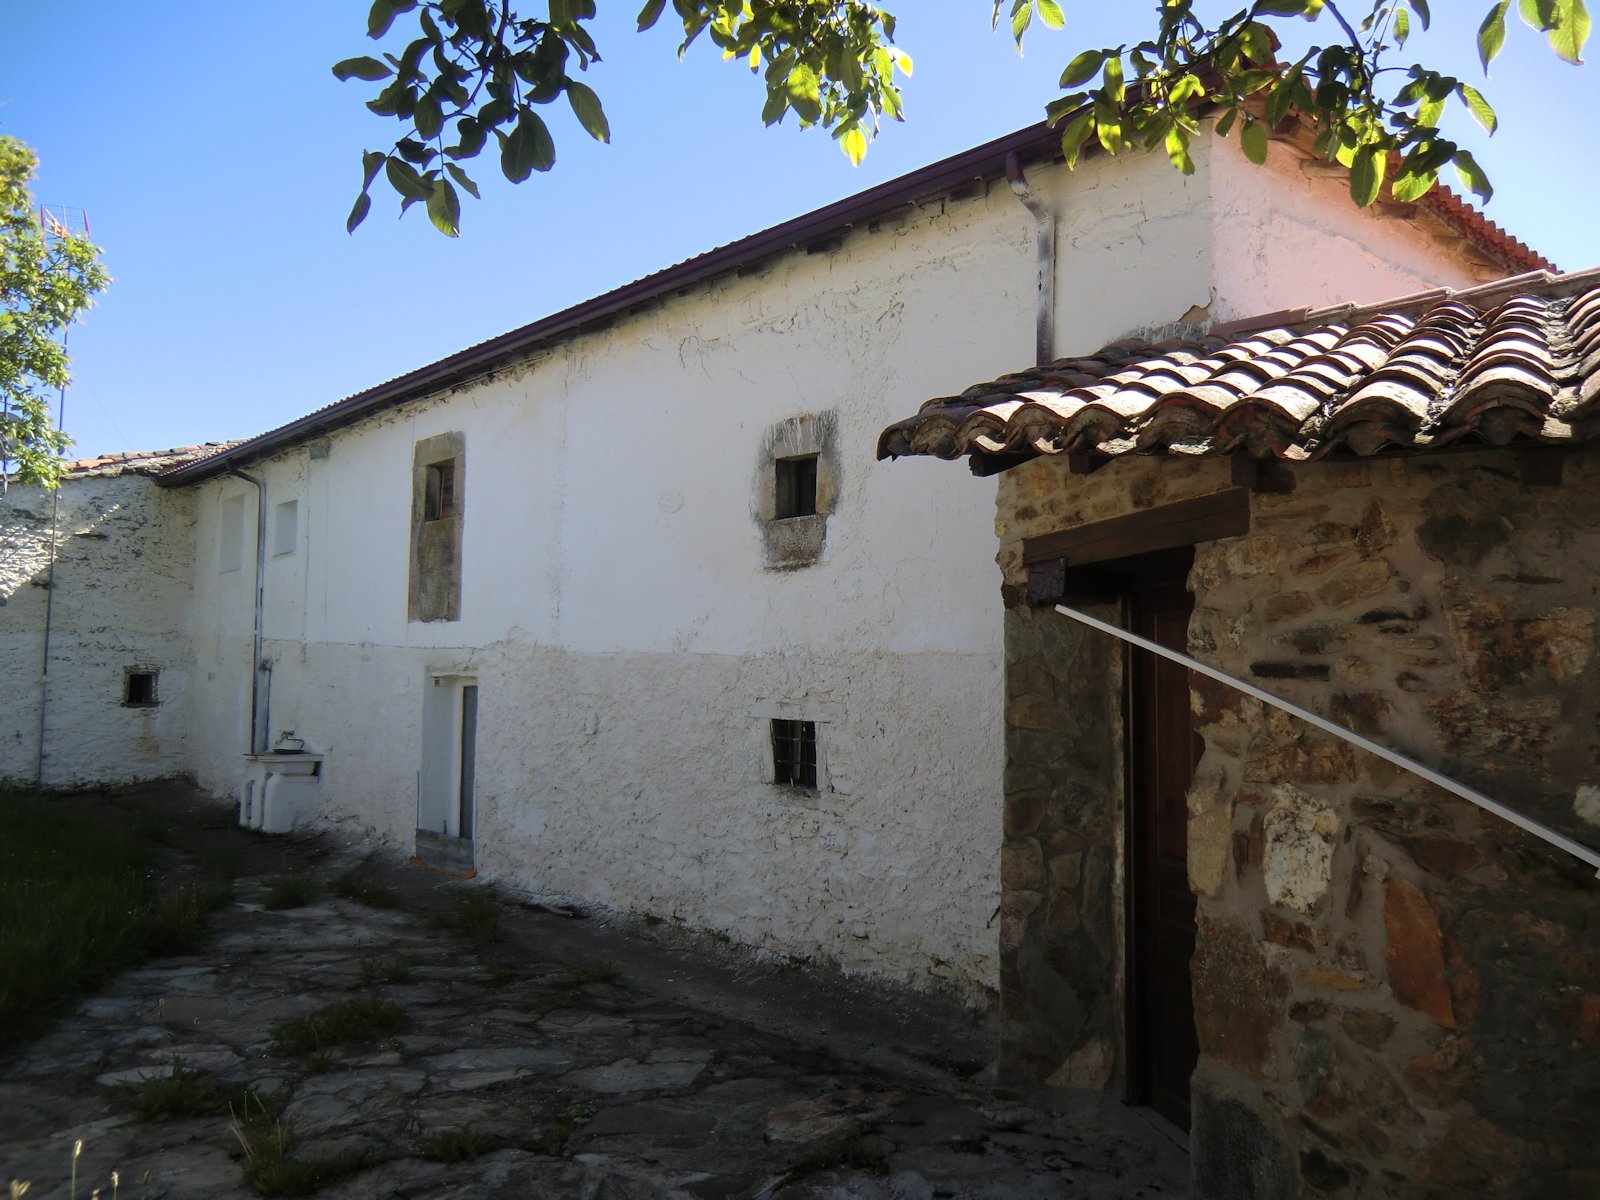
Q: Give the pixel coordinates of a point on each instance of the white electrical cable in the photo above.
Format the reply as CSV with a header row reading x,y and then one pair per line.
x,y
1576,849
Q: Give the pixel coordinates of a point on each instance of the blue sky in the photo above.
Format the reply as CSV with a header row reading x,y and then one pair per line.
x,y
217,156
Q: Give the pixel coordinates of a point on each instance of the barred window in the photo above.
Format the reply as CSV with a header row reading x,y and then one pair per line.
x,y
794,753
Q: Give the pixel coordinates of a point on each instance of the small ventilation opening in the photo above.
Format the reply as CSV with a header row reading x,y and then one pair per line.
x,y
797,487
139,689
439,498
794,753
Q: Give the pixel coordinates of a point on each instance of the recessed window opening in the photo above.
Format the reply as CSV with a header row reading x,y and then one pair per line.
x,y
794,753
139,688
797,487
286,527
230,542
439,498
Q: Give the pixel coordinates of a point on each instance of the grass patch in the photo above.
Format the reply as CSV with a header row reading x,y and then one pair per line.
x,y
862,1152
273,1169
347,1023
552,1142
478,916
372,971
358,885
288,891
183,1092
80,900
461,1145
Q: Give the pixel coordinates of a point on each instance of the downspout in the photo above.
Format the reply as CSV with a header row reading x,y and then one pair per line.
x,y
260,669
1044,221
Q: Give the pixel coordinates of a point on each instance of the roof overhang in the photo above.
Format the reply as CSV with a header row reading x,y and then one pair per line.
x,y
1515,360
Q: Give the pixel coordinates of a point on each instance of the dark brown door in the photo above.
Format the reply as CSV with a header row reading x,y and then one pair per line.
x,y
1161,765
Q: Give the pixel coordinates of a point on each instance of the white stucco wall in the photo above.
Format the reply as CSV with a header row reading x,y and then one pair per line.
x,y
123,564
629,645
1283,239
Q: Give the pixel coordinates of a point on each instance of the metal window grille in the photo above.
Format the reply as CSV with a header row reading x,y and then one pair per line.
x,y
797,487
139,689
439,496
794,753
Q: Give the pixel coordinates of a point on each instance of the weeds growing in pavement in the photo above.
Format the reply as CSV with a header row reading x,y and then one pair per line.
x,y
359,885
478,916
347,1023
287,891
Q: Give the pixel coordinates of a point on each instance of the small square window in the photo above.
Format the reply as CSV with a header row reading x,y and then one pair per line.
x,y
139,688
797,487
794,753
439,498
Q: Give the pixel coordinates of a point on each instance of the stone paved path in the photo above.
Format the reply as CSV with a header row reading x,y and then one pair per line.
x,y
568,1058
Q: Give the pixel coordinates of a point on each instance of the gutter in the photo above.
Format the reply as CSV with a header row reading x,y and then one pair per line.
x,y
1044,244
260,668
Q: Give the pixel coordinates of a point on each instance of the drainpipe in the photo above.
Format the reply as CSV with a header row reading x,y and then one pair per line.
x,y
1044,327
260,668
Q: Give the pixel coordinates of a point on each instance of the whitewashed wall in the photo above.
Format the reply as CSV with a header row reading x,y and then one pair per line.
x,y
629,645
123,564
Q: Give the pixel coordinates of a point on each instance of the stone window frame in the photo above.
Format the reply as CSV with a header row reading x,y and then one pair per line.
x,y
791,542
433,590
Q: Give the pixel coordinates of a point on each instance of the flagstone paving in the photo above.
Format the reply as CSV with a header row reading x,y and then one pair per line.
x,y
567,1058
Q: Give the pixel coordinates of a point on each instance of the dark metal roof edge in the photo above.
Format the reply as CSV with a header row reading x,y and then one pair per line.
x,y
980,162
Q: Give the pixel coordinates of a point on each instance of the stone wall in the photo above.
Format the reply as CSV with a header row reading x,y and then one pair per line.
x,y
124,561
1396,993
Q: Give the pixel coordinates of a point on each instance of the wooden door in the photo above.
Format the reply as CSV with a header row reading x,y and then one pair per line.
x,y
1161,761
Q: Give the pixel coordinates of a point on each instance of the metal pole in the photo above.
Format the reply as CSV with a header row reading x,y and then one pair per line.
x,y
1560,841
49,593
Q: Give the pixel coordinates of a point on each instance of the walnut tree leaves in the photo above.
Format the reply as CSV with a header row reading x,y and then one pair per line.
x,y
482,68
1154,93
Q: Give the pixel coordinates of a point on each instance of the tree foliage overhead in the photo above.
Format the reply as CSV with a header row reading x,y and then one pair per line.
x,y
48,277
477,68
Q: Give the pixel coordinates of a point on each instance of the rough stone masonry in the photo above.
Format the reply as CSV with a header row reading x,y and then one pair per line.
x,y
1395,993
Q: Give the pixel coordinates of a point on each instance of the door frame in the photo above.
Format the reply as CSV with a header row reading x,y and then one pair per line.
x,y
443,838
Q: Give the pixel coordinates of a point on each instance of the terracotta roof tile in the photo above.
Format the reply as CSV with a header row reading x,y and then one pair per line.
x,y
141,462
1518,358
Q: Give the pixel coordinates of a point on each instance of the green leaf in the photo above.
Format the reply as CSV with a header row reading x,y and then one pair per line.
x,y
854,144
364,67
1115,90
1021,18
1472,176
1253,141
1540,14
1402,26
804,90
1478,106
1075,135
444,209
382,14
463,179
428,116
1420,7
1492,34
1283,8
1567,39
1366,174
358,212
586,105
650,13
371,164
1413,185
1050,13
1082,68
527,148
1178,150
404,179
